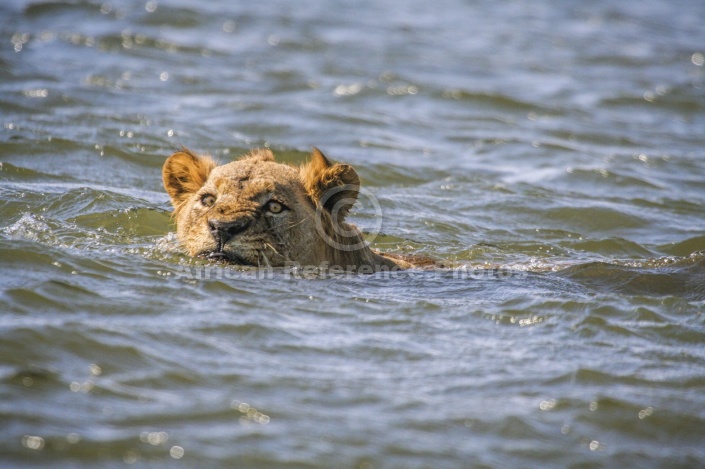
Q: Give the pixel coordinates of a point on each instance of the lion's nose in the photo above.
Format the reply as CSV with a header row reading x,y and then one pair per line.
x,y
224,231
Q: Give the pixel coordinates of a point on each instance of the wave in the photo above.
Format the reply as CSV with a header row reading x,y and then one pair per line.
x,y
669,276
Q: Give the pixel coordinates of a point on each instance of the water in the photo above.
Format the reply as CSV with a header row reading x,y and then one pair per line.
x,y
559,145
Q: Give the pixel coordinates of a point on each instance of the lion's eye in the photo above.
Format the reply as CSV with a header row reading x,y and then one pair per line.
x,y
274,207
208,200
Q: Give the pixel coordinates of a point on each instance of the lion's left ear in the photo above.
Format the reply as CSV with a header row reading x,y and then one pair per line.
x,y
184,173
334,186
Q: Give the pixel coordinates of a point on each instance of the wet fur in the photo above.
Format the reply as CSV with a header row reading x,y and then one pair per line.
x,y
319,193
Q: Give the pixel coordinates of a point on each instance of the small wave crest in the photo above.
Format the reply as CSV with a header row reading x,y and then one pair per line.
x,y
667,276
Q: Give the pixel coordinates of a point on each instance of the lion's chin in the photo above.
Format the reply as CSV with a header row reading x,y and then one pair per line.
x,y
225,257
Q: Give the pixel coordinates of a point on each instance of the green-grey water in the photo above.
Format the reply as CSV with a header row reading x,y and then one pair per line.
x,y
550,153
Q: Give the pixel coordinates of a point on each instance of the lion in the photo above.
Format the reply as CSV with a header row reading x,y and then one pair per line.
x,y
257,212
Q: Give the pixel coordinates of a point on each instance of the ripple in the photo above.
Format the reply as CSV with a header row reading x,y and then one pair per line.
x,y
495,100
683,279
685,247
614,247
594,177
39,9
593,218
17,173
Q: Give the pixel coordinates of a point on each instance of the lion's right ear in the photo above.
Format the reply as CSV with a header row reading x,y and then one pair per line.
x,y
334,186
184,173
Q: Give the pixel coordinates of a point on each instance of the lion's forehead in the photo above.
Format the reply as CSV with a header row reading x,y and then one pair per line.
x,y
253,181
247,169
248,186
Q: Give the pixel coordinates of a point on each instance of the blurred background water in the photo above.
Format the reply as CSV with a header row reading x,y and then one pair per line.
x,y
561,140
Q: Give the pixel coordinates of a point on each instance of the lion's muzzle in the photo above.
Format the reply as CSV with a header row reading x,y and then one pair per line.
x,y
225,231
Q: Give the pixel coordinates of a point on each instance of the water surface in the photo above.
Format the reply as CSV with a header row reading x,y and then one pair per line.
x,y
559,146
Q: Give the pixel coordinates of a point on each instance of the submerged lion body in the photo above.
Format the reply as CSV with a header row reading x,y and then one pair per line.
x,y
255,211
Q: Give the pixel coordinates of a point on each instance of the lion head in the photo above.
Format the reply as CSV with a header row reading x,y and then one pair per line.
x,y
257,212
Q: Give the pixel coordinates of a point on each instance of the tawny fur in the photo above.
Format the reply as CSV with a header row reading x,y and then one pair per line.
x,y
310,231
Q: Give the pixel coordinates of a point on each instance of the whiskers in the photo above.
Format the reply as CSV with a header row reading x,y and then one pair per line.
x,y
265,251
294,225
272,248
264,261
261,255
